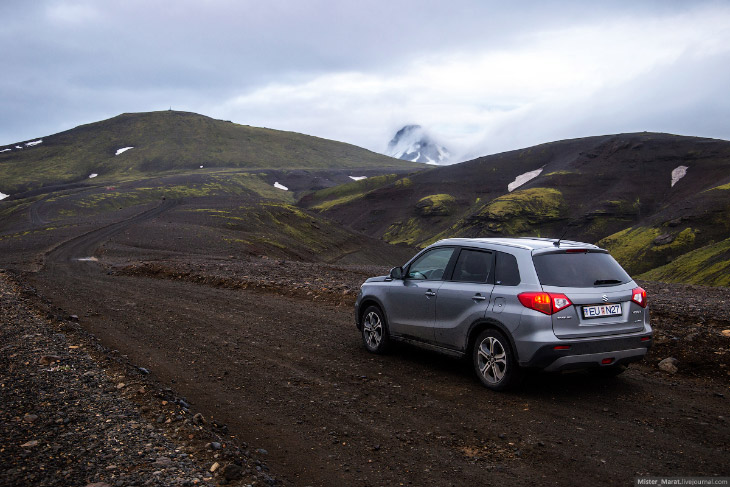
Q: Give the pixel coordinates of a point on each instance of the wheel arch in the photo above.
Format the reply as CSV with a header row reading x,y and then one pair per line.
x,y
364,304
488,324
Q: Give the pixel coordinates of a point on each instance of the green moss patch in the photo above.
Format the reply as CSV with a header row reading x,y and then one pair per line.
x,y
708,265
640,249
436,205
328,198
407,232
518,212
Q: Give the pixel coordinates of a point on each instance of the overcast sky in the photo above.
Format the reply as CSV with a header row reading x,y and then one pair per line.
x,y
481,76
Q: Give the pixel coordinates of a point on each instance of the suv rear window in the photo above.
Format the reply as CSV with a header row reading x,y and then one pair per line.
x,y
579,269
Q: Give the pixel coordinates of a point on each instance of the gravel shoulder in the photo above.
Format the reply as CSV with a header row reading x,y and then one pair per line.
x,y
75,413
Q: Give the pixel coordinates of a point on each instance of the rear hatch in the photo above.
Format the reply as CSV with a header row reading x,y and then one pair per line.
x,y
599,290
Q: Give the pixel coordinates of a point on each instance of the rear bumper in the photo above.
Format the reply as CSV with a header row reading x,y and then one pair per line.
x,y
590,353
591,360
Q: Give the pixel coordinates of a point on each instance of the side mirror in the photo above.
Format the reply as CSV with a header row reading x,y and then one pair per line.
x,y
396,273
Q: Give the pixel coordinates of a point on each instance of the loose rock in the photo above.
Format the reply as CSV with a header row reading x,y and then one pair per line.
x,y
669,365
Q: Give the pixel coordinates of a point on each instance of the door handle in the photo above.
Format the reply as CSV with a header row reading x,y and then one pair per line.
x,y
430,293
478,297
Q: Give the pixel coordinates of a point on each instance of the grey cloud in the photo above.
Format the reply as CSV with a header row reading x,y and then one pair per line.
x,y
67,63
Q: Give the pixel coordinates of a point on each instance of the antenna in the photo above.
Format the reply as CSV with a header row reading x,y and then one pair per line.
x,y
557,244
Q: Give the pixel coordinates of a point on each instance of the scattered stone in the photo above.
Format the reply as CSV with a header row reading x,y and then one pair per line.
x,y
163,461
29,418
669,365
49,359
143,370
73,318
214,467
215,445
98,484
198,419
232,472
664,239
726,333
30,444
261,451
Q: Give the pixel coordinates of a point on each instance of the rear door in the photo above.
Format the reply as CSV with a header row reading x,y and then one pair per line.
x,y
465,297
599,289
411,302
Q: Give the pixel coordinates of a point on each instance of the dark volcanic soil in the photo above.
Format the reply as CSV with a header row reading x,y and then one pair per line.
x,y
270,351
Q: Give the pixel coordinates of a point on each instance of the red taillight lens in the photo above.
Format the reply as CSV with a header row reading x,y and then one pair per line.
x,y
537,301
638,296
547,303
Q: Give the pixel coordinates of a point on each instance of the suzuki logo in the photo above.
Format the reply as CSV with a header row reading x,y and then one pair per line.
x,y
605,298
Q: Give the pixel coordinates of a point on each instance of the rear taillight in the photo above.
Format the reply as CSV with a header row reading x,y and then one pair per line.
x,y
547,303
638,296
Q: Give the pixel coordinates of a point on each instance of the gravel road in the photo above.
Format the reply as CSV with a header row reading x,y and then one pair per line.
x,y
282,367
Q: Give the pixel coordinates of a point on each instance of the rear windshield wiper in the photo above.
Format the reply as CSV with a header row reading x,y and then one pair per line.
x,y
606,281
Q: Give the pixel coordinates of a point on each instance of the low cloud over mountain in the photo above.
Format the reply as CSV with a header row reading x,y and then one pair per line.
x,y
413,143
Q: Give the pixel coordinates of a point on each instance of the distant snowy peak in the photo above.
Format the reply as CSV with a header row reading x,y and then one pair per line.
x,y
412,143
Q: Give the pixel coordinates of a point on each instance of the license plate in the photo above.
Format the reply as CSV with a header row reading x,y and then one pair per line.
x,y
601,310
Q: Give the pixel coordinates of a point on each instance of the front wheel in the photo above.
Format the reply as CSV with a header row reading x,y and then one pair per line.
x,y
375,331
494,361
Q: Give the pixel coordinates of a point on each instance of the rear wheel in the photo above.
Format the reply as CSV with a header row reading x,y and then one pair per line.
x,y
375,331
494,362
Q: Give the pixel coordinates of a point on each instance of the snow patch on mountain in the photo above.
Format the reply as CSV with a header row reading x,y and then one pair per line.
x,y
522,179
35,142
5,150
3,195
280,186
413,143
358,178
122,150
678,173
92,175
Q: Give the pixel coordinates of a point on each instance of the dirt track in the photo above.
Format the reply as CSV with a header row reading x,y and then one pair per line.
x,y
289,374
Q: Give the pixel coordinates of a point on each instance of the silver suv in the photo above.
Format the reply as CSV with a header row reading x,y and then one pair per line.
x,y
512,304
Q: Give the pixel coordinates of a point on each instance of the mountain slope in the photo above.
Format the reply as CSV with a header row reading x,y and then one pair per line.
x,y
649,198
160,142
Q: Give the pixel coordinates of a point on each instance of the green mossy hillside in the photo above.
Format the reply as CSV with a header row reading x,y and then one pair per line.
x,y
173,142
326,199
113,198
708,265
639,249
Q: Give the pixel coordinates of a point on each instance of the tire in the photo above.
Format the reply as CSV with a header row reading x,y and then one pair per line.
x,y
375,331
494,361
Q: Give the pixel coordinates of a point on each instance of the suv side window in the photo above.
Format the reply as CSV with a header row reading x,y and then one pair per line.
x,y
473,266
506,272
431,265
